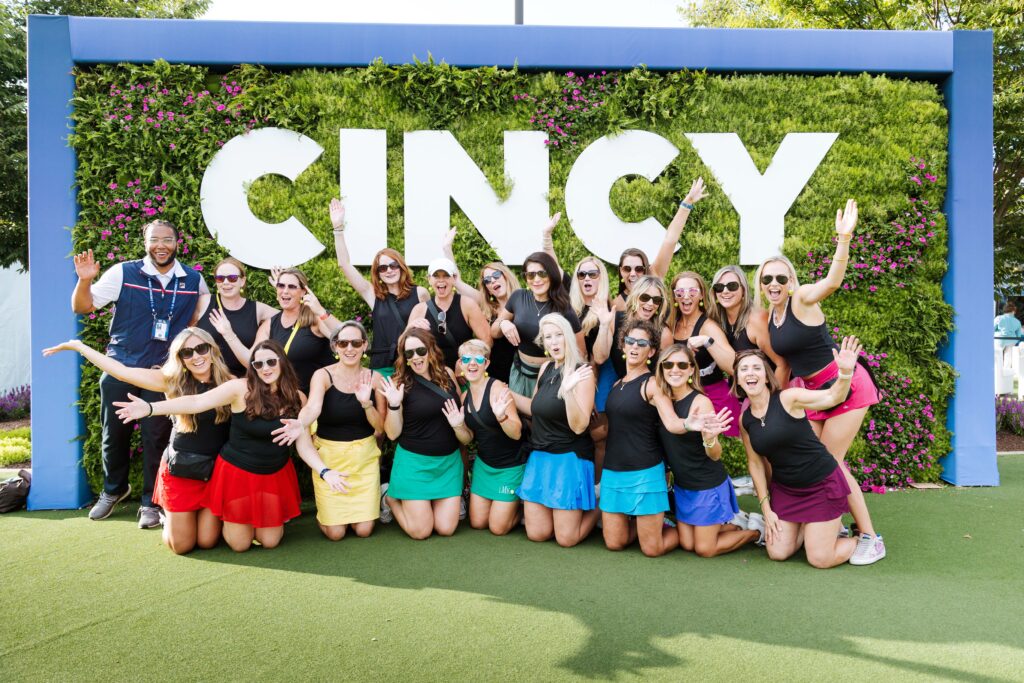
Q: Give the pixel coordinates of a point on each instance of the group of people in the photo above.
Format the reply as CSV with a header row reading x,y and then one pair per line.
x,y
588,407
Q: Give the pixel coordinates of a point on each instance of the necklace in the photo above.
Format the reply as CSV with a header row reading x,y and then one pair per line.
x,y
776,321
540,307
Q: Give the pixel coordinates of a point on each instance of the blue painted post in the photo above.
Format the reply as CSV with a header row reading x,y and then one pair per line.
x,y
968,285
58,478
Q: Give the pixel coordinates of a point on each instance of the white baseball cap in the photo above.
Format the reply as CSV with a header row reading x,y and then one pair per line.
x,y
444,264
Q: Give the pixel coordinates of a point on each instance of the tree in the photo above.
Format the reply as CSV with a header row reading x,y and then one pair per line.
x,y
13,98
1004,17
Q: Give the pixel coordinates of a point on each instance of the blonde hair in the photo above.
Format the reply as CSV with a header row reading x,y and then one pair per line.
x,y
306,316
668,352
488,302
475,346
589,321
717,312
760,301
573,357
640,287
180,381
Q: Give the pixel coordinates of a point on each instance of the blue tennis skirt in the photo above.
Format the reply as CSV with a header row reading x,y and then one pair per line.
x,y
707,507
560,481
606,378
638,493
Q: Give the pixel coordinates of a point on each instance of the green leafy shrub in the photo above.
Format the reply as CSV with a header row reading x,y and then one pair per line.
x,y
15,446
882,122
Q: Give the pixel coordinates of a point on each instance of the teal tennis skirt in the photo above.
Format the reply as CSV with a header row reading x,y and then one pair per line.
x,y
496,483
425,477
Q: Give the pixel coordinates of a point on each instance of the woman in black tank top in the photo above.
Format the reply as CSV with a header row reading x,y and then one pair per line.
x,y
425,418
450,317
253,490
348,414
231,319
495,424
800,335
807,496
194,366
732,308
634,495
707,522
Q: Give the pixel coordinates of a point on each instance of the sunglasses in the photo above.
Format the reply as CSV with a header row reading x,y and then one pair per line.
x,y
493,277
383,267
658,300
187,352
639,270
681,364
258,364
479,360
287,285
781,279
633,341
588,274
720,287
345,343
442,322
418,351
535,275
691,291
229,278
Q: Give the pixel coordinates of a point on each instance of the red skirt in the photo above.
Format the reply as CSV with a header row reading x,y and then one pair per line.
x,y
821,502
178,494
259,500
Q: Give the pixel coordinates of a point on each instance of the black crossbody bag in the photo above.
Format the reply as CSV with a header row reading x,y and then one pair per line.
x,y
188,465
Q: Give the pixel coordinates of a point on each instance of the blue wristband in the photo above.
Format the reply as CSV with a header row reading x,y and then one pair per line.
x,y
684,205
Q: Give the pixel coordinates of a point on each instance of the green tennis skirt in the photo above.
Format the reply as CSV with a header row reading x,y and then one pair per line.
x,y
425,477
497,484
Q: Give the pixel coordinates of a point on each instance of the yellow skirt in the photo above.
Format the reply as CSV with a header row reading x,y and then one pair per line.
x,y
361,461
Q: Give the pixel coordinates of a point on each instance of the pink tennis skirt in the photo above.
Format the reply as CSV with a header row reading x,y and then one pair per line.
x,y
863,392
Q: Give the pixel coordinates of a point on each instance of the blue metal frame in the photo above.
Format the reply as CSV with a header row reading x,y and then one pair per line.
x,y
961,61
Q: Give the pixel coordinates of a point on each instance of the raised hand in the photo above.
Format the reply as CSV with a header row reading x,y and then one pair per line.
x,y
714,427
86,267
603,311
275,273
846,356
338,481
453,413
365,387
846,220
69,345
394,394
132,409
580,374
501,401
291,430
708,422
337,211
696,192
552,222
221,323
448,242
310,300
508,328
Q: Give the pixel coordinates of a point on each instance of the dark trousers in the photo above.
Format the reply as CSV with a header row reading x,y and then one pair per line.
x,y
156,432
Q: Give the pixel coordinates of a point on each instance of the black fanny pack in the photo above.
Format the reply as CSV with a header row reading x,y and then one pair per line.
x,y
189,465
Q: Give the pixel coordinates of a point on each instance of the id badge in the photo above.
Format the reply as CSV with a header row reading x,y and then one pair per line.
x,y
161,327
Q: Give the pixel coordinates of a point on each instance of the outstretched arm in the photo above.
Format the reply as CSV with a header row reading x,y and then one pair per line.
x,y
461,286
663,260
144,378
547,241
230,393
814,292
352,274
823,399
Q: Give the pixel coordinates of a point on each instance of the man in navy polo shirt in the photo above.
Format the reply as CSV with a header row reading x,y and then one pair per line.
x,y
155,298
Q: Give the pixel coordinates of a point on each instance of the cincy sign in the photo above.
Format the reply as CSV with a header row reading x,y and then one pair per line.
x,y
437,170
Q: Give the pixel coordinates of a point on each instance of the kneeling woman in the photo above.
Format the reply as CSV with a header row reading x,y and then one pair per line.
x,y
705,499
194,365
558,484
807,496
498,469
253,490
348,415
426,480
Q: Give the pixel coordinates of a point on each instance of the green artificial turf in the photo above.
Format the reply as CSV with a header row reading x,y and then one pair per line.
x,y
106,601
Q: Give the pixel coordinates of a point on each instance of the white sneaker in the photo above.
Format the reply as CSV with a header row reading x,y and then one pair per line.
x,y
744,486
740,519
844,531
755,522
870,549
385,511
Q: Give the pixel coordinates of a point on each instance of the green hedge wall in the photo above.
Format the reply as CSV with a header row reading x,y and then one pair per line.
x,y
148,132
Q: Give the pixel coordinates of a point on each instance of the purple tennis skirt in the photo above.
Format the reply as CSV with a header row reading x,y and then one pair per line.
x,y
712,506
821,502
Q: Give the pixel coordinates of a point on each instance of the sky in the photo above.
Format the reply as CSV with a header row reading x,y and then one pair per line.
x,y
549,12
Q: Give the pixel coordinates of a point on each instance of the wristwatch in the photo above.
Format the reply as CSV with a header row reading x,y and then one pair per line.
x,y
708,342
324,471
